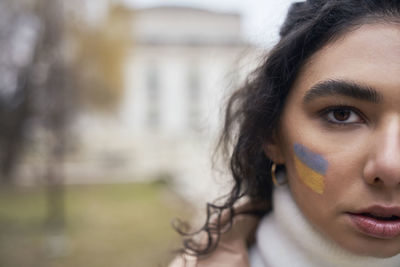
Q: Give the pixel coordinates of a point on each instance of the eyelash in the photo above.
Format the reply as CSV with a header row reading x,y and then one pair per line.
x,y
353,112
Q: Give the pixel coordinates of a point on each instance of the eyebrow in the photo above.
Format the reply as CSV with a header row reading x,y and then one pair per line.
x,y
344,88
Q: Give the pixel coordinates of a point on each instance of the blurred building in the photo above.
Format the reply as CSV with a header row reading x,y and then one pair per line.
x,y
178,68
180,64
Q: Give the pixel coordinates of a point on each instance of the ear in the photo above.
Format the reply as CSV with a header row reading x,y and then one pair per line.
x,y
273,150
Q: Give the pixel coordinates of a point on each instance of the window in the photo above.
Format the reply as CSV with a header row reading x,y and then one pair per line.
x,y
153,96
194,97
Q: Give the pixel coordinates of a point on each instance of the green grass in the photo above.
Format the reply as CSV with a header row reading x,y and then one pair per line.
x,y
105,225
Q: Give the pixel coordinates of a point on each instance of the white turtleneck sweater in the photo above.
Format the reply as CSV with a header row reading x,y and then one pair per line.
x,y
286,239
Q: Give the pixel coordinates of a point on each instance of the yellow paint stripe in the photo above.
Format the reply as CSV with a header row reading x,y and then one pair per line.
x,y
311,178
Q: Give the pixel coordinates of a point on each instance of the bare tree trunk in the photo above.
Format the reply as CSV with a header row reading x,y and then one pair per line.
x,y
12,125
15,101
55,109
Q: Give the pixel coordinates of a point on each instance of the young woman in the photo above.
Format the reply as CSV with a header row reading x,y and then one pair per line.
x,y
316,147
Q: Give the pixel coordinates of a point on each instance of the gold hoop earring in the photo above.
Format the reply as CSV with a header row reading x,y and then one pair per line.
x,y
273,175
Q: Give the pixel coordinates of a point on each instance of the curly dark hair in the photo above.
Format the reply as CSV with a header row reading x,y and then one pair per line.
x,y
253,111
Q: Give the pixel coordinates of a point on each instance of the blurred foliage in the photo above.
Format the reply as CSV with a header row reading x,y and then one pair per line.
x,y
37,91
107,225
52,66
100,55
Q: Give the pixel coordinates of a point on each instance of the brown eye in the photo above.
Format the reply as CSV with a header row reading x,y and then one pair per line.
x,y
341,114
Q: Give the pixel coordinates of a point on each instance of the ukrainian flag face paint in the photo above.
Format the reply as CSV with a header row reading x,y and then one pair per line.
x,y
311,168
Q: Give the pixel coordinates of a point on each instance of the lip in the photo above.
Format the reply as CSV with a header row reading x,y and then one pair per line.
x,y
374,227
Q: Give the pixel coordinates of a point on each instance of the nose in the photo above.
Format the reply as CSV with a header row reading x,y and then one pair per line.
x,y
383,165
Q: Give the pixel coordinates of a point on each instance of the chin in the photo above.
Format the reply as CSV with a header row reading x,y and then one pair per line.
x,y
384,253
378,248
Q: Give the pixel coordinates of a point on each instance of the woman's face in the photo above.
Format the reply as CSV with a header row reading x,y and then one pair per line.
x,y
339,138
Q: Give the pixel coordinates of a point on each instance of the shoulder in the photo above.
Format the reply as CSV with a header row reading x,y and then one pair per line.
x,y
232,248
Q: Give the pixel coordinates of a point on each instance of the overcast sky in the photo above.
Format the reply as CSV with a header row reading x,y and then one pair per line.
x,y
261,18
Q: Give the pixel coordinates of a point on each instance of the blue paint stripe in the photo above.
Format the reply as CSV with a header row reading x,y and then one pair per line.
x,y
311,159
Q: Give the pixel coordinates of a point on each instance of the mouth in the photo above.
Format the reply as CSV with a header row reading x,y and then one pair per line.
x,y
377,221
381,218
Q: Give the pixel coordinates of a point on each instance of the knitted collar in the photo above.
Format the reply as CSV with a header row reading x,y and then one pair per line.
x,y
286,238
